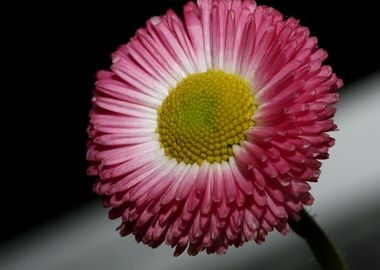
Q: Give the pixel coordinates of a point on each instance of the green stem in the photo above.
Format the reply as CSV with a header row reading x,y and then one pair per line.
x,y
321,246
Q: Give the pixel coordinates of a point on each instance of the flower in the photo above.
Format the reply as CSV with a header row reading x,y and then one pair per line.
x,y
205,133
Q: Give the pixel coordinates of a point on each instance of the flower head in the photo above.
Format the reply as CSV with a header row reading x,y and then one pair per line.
x,y
205,132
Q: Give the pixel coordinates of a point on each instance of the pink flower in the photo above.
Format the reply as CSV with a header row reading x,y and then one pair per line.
x,y
205,133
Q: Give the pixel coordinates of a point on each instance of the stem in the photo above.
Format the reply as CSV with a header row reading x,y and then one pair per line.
x,y
321,246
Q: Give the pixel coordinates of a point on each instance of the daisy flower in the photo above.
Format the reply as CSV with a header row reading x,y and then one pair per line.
x,y
207,130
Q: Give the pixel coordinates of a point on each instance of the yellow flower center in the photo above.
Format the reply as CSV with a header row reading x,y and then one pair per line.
x,y
204,116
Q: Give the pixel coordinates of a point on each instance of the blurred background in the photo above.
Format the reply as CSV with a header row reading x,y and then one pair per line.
x,y
52,220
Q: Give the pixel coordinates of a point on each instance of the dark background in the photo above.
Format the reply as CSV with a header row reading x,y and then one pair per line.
x,y
59,47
